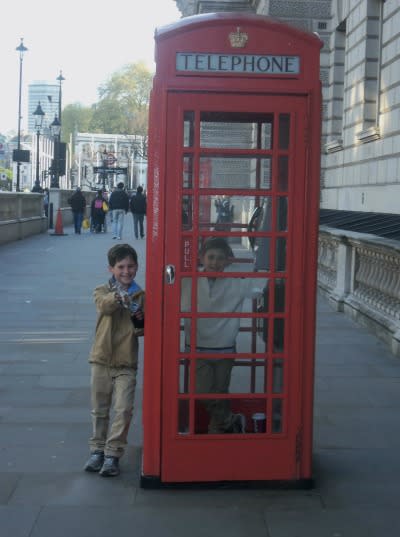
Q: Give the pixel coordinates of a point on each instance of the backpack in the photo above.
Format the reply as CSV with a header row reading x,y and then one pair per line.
x,y
98,204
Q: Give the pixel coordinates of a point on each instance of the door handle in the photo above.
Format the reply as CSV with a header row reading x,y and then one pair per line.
x,y
170,274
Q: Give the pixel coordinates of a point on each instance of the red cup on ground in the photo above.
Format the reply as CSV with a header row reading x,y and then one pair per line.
x,y
259,422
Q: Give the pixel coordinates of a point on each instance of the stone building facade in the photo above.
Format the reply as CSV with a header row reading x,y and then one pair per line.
x,y
360,65
103,160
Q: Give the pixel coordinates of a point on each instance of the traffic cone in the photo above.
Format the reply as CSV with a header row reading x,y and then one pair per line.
x,y
59,230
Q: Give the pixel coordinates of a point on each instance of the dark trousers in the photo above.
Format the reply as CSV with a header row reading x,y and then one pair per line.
x,y
138,225
78,217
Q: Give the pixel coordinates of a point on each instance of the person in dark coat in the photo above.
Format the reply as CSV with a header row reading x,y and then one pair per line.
x,y
78,205
97,212
138,205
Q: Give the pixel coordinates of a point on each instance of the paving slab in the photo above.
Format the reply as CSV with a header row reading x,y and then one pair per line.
x,y
46,328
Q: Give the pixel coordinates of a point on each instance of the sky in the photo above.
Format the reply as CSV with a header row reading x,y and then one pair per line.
x,y
88,40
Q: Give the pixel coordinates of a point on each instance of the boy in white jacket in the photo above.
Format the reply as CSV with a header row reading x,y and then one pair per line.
x,y
217,335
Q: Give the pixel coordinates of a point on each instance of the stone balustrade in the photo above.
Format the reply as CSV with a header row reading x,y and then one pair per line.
x,y
22,213
360,275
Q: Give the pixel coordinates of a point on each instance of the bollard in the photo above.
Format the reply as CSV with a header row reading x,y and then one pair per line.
x,y
50,216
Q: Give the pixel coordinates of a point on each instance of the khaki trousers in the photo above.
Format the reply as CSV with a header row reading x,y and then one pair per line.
x,y
111,387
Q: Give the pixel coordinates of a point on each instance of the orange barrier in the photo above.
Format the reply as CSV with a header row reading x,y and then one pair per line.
x,y
59,229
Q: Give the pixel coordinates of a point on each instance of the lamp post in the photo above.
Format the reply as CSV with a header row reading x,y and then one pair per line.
x,y
55,129
60,79
104,162
21,49
39,114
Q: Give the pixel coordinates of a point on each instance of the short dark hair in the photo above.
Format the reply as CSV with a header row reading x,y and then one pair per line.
x,y
139,189
216,243
119,252
120,185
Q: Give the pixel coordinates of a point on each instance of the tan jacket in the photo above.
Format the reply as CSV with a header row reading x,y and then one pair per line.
x,y
116,339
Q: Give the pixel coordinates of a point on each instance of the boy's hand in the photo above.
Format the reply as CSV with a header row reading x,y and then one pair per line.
x,y
122,300
138,314
138,318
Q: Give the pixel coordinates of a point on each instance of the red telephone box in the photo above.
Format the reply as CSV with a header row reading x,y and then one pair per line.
x,y
234,154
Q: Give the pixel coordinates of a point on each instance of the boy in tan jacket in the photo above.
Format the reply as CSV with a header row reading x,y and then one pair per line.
x,y
114,360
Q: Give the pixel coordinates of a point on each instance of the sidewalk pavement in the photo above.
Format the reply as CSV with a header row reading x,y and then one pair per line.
x,y
47,322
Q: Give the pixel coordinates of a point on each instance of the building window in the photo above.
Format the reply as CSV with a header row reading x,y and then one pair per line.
x,y
336,104
373,49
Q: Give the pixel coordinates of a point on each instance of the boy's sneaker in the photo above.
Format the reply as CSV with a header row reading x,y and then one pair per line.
x,y
95,462
238,424
110,467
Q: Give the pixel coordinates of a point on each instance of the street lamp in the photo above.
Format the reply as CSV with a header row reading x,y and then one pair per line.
x,y
39,114
21,49
104,161
60,79
55,129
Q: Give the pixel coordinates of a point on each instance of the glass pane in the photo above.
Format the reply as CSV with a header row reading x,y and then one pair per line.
x,y
183,416
243,334
184,340
187,213
235,130
266,170
262,329
188,129
264,217
262,253
235,251
227,416
240,375
280,260
184,375
233,295
248,376
283,173
277,376
279,297
235,172
277,415
235,213
263,299
281,214
266,136
249,338
228,172
187,171
186,294
284,131
279,335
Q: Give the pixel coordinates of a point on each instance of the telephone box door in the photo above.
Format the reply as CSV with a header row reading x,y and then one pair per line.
x,y
236,170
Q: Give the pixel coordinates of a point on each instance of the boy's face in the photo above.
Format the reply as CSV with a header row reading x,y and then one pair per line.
x,y
124,271
214,260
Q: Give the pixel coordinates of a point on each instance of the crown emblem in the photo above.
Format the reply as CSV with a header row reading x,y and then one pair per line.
x,y
238,39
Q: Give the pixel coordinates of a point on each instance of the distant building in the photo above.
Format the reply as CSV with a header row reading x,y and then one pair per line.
x,y
103,160
47,94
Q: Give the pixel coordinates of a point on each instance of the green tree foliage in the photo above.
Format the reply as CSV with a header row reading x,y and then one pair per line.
x,y
124,102
75,117
5,179
122,107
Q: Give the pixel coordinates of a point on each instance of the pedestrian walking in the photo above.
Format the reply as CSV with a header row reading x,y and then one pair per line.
x,y
138,205
119,205
78,205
